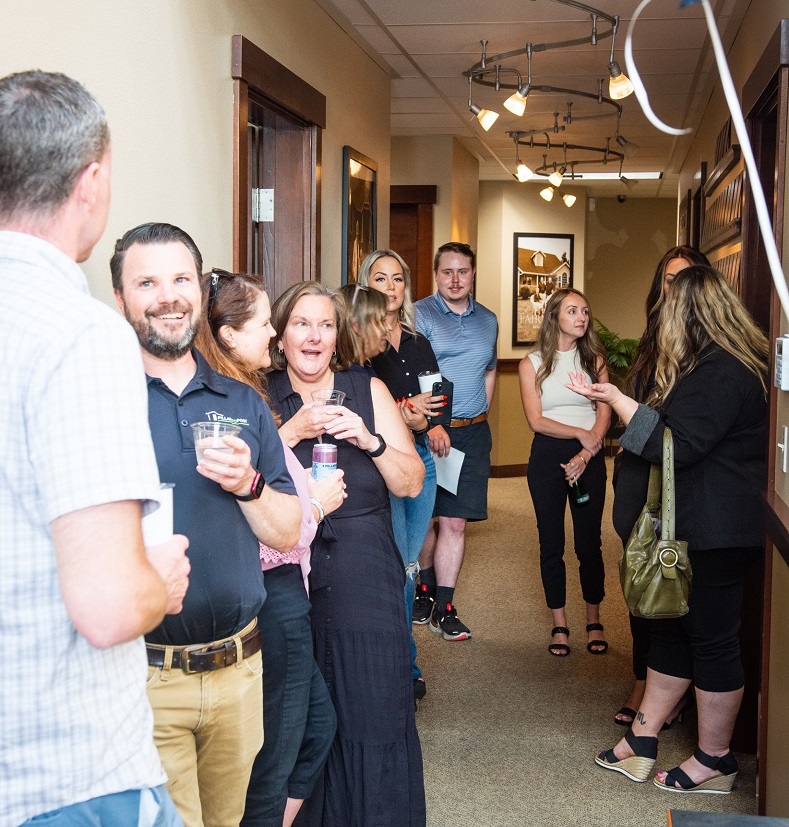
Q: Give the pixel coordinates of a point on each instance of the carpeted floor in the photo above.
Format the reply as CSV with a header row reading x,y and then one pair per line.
x,y
509,732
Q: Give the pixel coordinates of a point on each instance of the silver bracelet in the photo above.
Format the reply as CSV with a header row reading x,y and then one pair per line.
x,y
319,505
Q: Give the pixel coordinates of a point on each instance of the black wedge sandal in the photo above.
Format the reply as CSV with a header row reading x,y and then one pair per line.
x,y
678,781
596,647
635,767
559,650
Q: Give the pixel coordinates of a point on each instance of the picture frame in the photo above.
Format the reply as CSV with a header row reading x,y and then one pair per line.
x,y
542,263
359,211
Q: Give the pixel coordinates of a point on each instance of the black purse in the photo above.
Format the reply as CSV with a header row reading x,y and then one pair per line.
x,y
655,570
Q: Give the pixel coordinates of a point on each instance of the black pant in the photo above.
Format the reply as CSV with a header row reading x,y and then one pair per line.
x,y
550,493
704,644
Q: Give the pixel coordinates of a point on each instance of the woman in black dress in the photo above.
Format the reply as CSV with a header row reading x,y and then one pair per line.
x,y
373,775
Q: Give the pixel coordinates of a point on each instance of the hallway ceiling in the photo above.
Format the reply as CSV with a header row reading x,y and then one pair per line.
x,y
425,46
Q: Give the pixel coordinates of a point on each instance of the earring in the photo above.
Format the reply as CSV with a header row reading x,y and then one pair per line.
x,y
281,349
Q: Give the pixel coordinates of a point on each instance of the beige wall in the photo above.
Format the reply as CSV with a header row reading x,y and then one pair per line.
x,y
624,242
161,69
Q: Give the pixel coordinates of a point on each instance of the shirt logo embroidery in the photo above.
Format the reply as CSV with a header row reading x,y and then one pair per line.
x,y
215,416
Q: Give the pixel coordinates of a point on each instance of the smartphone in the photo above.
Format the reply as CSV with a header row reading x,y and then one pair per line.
x,y
443,388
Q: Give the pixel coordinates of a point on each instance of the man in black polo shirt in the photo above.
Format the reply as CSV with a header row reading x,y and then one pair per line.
x,y
205,673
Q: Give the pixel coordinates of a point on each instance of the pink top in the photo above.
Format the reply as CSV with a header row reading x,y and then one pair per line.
x,y
271,558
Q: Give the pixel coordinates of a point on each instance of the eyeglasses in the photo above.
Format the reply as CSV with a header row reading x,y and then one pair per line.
x,y
216,274
359,286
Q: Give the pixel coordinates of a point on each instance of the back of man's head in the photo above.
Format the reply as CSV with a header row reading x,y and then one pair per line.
x,y
51,128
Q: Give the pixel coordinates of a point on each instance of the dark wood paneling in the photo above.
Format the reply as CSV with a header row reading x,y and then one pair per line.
x,y
276,82
411,235
418,194
240,176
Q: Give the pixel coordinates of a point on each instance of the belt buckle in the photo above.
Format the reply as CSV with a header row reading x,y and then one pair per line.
x,y
186,664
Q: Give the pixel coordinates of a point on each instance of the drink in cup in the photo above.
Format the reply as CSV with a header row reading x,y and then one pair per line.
x,y
327,396
211,435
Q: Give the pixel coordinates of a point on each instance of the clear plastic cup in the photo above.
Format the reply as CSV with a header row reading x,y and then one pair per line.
x,y
211,435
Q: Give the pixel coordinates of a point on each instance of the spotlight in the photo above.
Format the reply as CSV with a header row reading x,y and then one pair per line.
x,y
523,173
516,102
486,117
568,199
619,86
547,193
556,177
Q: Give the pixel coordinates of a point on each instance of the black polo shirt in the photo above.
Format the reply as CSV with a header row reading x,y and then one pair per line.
x,y
399,369
226,582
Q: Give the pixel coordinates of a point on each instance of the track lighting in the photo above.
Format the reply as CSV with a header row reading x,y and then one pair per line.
x,y
619,86
486,117
522,172
547,193
516,102
568,199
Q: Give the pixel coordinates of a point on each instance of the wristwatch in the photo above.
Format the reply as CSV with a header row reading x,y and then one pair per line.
x,y
379,450
255,490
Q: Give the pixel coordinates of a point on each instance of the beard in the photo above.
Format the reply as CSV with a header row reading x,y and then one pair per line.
x,y
157,345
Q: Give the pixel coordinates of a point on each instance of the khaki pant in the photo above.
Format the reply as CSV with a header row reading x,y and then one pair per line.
x,y
208,728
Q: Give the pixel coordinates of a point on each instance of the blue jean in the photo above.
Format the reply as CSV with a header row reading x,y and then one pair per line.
x,y
410,521
144,808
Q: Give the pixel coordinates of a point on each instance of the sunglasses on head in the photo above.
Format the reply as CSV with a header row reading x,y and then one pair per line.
x,y
216,274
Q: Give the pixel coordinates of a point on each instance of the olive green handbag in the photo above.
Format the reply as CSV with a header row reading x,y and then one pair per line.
x,y
654,570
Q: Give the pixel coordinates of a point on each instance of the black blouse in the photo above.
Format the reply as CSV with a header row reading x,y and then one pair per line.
x,y
399,369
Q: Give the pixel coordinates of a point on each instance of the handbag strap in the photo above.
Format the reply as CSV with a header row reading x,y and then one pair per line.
x,y
653,492
667,502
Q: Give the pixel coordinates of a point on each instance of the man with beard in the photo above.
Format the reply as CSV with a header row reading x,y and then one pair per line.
x,y
205,673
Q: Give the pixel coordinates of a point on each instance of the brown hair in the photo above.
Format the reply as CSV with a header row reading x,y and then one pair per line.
x,y
640,374
283,307
233,305
590,349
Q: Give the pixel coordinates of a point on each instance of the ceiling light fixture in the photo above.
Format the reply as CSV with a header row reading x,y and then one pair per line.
x,y
619,86
556,178
486,117
547,193
522,172
568,199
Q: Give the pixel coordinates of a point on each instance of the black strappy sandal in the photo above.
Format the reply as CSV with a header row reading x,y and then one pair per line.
x,y
678,781
596,647
559,650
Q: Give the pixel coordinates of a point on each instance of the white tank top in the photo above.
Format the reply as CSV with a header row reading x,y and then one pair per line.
x,y
558,402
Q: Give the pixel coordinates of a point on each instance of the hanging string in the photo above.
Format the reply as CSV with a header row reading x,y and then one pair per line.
x,y
738,121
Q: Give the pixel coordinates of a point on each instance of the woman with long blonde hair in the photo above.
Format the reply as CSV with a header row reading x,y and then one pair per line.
x,y
710,389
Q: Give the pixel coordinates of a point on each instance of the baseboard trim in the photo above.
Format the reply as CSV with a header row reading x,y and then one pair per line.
x,y
500,471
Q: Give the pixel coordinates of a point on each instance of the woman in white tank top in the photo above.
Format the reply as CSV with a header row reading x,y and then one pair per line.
x,y
566,451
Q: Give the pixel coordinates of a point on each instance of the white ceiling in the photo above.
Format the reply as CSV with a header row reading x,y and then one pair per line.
x,y
426,45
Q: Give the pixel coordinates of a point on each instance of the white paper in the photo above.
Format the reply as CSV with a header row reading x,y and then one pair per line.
x,y
448,469
427,381
157,527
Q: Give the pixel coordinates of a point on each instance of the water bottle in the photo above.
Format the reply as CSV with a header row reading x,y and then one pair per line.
x,y
578,492
324,460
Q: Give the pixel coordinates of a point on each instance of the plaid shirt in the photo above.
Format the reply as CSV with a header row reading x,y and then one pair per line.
x,y
74,720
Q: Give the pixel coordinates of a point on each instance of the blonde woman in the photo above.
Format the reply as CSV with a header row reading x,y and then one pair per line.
x,y
710,388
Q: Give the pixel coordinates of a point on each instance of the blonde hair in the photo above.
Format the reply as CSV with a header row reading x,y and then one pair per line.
x,y
406,315
701,309
590,350
365,308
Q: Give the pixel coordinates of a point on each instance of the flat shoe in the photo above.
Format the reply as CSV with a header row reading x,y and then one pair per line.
x,y
678,781
636,767
559,650
596,647
625,711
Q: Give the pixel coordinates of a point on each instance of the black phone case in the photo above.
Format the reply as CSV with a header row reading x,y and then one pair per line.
x,y
443,388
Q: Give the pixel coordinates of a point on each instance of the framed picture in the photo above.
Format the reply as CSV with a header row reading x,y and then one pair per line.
x,y
542,263
359,212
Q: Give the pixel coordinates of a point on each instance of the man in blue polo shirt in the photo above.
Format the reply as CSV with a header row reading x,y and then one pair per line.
x,y
463,335
205,673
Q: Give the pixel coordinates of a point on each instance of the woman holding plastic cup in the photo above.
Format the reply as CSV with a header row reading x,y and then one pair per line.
x,y
398,366
356,584
299,720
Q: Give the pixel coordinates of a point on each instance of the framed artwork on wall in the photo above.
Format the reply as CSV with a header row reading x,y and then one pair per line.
x,y
542,263
359,212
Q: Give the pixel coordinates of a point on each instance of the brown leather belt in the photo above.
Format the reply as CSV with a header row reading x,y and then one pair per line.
x,y
462,423
206,657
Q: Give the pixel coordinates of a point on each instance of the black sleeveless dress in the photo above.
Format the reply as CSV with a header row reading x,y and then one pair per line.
x,y
373,775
